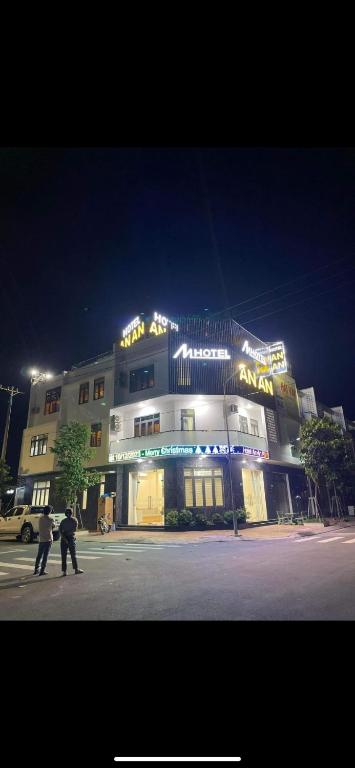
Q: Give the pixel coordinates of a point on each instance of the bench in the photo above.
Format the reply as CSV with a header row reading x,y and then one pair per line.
x,y
288,518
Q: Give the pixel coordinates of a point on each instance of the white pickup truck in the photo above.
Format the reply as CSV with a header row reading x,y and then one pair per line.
x,y
22,522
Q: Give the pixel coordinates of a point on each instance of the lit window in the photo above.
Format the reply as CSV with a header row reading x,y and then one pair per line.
x,y
243,424
84,393
40,492
254,426
187,419
52,403
99,389
39,445
96,435
203,487
147,425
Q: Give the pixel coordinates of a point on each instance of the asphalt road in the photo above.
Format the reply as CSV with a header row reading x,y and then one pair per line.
x,y
284,579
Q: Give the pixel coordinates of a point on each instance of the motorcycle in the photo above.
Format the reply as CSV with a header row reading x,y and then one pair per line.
x,y
103,525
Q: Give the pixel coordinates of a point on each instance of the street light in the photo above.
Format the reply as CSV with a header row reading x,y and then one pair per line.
x,y
235,521
38,376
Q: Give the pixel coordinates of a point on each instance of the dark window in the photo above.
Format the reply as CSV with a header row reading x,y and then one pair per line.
x,y
141,378
39,445
99,389
96,434
147,425
187,419
52,404
10,512
36,510
19,511
84,393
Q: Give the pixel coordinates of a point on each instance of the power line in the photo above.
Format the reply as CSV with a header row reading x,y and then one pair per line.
x,y
298,290
281,285
295,304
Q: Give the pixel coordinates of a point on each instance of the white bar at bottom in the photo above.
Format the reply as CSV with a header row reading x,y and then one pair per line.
x,y
177,759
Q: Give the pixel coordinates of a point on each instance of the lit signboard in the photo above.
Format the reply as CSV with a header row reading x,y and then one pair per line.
x,y
139,328
187,450
254,380
271,359
208,353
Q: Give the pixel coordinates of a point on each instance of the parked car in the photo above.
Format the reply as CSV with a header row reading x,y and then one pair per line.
x,y
22,522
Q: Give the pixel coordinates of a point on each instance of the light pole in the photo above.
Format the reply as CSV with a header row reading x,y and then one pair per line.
x,y
235,521
38,376
12,392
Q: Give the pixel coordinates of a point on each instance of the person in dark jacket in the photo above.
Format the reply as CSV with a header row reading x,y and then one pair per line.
x,y
67,531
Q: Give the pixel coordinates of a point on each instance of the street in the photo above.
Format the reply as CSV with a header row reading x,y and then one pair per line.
x,y
295,578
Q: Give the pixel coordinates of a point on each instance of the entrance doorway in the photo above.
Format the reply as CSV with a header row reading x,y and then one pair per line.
x,y
280,493
254,495
146,497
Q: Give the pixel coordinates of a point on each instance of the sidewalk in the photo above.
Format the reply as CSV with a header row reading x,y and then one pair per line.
x,y
267,532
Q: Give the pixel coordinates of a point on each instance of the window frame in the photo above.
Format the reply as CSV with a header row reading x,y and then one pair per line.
x,y
39,440
97,442
40,487
254,424
144,421
243,420
52,405
147,381
98,394
201,474
84,388
188,413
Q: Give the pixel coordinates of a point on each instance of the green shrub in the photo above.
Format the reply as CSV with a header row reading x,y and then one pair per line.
x,y
228,518
200,520
184,518
172,518
218,519
242,514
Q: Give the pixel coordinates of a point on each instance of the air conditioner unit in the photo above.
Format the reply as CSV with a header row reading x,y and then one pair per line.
x,y
234,408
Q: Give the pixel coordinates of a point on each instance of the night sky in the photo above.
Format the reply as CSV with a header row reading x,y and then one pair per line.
x,y
91,237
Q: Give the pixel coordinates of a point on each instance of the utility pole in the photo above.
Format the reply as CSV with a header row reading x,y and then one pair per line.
x,y
12,392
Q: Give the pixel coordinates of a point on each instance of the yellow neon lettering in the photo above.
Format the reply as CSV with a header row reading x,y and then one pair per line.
x,y
153,328
243,375
252,378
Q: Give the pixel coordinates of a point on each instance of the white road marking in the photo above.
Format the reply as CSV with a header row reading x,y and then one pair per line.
x,y
307,538
2,573
120,550
59,558
349,541
177,759
7,551
130,546
334,538
17,565
79,551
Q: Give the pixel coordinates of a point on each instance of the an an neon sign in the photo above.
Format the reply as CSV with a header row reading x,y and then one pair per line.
x,y
271,359
139,329
187,450
253,380
208,353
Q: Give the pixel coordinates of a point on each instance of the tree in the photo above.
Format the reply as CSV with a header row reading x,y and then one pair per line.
x,y
5,479
73,453
327,455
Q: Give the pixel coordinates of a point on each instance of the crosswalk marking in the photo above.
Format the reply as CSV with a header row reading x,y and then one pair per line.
x,y
308,538
105,551
59,557
113,554
137,547
349,541
2,573
334,538
17,565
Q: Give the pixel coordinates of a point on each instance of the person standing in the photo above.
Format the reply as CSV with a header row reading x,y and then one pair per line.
x,y
67,531
45,525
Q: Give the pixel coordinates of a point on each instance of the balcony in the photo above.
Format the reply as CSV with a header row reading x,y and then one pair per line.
x,y
189,437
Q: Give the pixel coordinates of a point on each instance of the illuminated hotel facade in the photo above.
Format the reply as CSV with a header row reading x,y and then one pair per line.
x,y
158,406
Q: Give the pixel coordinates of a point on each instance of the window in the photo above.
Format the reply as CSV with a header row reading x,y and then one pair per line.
x,y
141,378
254,426
36,510
52,403
84,393
85,500
203,487
187,419
96,434
19,511
147,425
99,389
40,492
10,512
39,445
243,424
